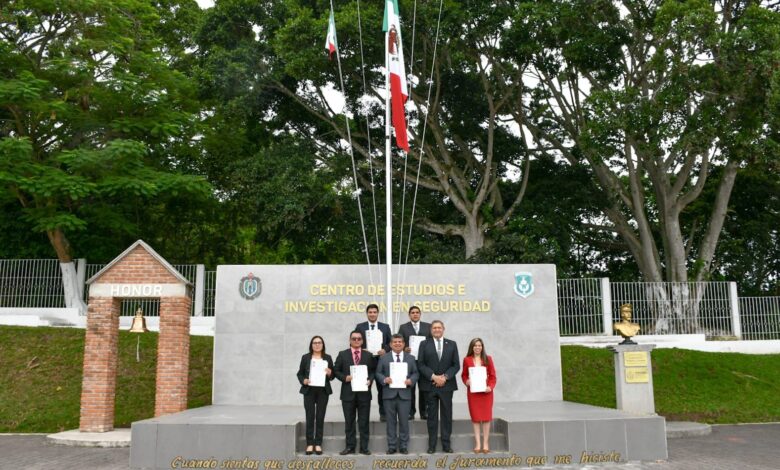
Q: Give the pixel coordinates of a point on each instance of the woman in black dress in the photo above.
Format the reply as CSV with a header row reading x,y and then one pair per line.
x,y
315,399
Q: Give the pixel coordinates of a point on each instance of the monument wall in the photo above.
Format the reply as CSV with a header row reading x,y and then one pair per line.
x,y
266,315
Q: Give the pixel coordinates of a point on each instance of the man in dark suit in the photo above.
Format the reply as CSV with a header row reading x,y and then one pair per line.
x,y
438,363
373,324
354,402
397,401
415,327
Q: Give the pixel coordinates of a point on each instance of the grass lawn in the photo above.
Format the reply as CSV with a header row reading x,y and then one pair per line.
x,y
40,380
40,377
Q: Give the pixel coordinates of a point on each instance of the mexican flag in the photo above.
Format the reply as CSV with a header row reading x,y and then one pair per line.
x,y
330,41
395,67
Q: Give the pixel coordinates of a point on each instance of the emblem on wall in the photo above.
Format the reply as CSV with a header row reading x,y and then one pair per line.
x,y
250,286
524,284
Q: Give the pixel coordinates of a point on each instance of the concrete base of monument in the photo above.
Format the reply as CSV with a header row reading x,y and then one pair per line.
x,y
523,434
117,438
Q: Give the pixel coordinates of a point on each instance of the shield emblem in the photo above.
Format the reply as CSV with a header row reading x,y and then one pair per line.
x,y
250,286
524,284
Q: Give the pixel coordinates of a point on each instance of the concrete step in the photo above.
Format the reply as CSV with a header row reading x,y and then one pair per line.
x,y
418,443
462,436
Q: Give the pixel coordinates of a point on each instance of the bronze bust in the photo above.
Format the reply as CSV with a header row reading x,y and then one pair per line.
x,y
625,327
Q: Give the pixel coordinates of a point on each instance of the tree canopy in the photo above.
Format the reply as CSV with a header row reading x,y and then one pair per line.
x,y
612,137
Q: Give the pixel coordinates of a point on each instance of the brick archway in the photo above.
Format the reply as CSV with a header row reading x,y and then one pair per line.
x,y
138,272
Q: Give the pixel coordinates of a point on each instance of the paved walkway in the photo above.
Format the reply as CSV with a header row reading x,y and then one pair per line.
x,y
743,447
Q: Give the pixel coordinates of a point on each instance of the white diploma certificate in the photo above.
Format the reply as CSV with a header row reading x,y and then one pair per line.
x,y
398,372
373,340
359,378
317,373
414,344
478,378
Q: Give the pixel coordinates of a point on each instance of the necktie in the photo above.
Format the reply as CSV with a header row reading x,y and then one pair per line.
x,y
416,328
438,348
357,357
372,327
397,358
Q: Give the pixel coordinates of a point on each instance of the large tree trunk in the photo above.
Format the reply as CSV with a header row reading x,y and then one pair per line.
x,y
473,237
70,281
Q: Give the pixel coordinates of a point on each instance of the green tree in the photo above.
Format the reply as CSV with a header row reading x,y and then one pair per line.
x,y
275,49
660,100
92,112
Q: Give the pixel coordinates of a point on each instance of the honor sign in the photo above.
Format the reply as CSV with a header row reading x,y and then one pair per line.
x,y
266,316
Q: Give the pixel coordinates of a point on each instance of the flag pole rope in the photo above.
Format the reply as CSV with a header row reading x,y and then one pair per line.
x,y
402,269
368,139
421,151
351,152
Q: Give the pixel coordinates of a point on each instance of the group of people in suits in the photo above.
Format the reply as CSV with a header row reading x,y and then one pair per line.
x,y
433,373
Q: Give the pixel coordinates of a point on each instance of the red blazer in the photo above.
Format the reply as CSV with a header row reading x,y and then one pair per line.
x,y
468,361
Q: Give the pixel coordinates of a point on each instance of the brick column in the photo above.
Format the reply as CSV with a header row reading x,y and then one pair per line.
x,y
98,387
173,356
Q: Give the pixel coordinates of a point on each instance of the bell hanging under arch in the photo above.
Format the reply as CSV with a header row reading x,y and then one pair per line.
x,y
139,322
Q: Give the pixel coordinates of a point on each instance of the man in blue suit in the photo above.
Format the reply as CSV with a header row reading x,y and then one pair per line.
x,y
373,323
416,327
438,364
397,401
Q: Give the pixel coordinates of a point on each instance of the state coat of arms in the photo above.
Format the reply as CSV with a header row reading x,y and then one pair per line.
x,y
524,284
250,286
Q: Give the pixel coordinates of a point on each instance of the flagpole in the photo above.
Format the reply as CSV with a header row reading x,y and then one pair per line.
x,y
388,194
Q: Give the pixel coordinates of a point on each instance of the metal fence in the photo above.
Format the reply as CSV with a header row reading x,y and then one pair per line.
x,y
585,306
26,283
676,307
210,291
760,317
581,306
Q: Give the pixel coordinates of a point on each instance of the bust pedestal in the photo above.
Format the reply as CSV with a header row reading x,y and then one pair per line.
x,y
634,378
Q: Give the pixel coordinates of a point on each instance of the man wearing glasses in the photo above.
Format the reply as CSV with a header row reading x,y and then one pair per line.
x,y
356,405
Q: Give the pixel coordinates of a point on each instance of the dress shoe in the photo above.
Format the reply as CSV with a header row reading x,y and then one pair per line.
x,y
423,416
431,450
411,417
404,451
391,451
365,452
309,452
347,451
318,451
447,450
382,418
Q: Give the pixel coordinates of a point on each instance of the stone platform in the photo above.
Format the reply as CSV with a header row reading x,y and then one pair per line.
x,y
524,434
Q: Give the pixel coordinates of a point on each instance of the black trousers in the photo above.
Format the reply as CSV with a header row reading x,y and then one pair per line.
x,y
439,400
379,388
423,400
356,409
315,402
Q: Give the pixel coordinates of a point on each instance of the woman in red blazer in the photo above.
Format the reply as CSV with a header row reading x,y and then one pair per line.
x,y
480,403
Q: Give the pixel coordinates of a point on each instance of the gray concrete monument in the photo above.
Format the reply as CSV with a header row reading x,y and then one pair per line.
x,y
634,378
266,315
259,339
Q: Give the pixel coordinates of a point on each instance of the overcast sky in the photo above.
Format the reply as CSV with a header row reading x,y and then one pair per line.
x,y
205,3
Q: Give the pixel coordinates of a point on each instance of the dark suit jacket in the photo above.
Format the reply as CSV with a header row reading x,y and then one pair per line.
x,y
428,364
406,330
383,327
383,371
303,372
341,371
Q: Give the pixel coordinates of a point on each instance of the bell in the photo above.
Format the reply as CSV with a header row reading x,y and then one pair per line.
x,y
139,322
